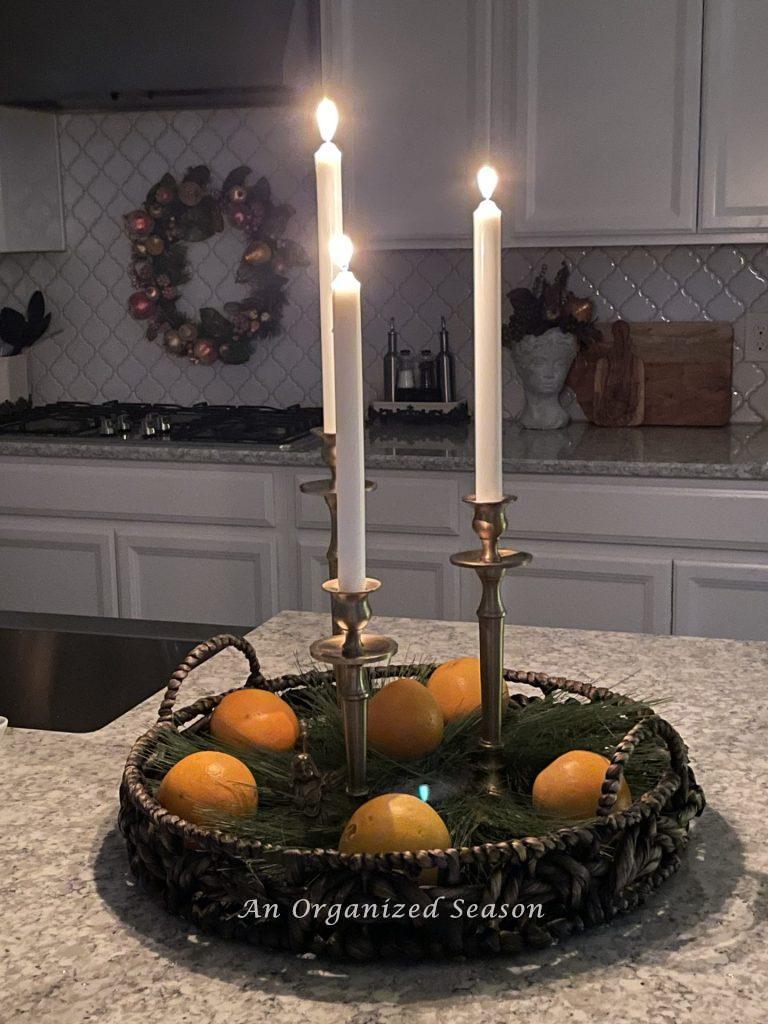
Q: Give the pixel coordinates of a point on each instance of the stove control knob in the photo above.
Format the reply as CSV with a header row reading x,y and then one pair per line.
x,y
163,424
123,424
148,428
106,426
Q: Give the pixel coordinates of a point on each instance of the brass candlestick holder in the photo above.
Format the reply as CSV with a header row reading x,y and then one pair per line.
x,y
491,563
326,489
350,652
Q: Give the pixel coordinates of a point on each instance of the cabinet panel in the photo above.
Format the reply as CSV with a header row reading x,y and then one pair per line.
x,y
569,588
721,599
638,510
195,574
198,494
413,85
734,116
408,502
417,578
31,217
57,566
607,116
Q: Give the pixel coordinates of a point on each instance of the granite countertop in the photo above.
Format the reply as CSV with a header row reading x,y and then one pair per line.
x,y
736,452
81,943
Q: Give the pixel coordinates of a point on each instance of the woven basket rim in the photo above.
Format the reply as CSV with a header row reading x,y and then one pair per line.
x,y
651,802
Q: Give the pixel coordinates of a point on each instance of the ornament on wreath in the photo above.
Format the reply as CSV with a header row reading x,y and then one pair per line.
x,y
178,213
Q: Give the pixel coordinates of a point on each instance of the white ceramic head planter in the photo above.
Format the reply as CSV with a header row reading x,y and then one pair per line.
x,y
543,363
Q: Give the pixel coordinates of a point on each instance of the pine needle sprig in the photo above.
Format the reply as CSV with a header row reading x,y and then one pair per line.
x,y
532,737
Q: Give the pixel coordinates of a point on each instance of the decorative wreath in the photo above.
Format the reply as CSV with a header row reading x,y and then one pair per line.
x,y
176,213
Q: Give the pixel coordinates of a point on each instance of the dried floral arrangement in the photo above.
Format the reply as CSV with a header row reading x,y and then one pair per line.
x,y
19,331
190,210
547,304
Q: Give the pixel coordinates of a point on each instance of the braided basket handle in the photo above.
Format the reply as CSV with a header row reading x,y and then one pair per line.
x,y
642,730
202,653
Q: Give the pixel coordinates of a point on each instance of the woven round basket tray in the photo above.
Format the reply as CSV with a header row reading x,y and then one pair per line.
x,y
576,877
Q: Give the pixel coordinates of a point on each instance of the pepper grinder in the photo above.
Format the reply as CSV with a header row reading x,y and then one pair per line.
x,y
444,366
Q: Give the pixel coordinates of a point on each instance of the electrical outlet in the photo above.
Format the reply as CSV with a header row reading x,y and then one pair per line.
x,y
756,338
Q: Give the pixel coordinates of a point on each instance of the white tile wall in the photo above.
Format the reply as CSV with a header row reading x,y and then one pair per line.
x,y
110,160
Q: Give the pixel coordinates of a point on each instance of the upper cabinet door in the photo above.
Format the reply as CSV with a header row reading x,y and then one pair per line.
x,y
734,185
31,216
412,80
605,101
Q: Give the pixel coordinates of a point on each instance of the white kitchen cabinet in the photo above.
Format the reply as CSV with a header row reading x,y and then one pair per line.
x,y
197,574
60,566
237,544
721,598
605,116
579,586
590,110
694,513
734,116
401,502
412,81
31,213
179,493
417,578
605,124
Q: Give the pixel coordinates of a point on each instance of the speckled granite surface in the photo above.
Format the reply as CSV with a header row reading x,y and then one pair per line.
x,y
79,943
737,452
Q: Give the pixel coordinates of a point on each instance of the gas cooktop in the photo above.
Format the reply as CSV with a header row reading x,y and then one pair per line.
x,y
135,421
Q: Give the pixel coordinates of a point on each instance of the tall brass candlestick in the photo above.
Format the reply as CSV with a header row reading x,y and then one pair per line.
x,y
350,652
491,563
326,489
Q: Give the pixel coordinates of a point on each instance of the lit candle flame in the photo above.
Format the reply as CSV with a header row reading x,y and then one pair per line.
x,y
327,118
487,180
341,251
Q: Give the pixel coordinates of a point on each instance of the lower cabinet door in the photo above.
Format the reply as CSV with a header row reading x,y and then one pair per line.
x,y
417,579
721,599
57,566
197,574
566,588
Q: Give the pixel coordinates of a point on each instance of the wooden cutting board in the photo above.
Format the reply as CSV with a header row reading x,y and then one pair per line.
x,y
687,372
619,388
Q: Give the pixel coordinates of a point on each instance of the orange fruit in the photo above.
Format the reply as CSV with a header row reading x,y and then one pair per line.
x,y
392,823
404,720
455,685
570,786
208,781
255,718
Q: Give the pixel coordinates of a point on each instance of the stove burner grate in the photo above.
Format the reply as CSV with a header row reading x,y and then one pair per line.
x,y
235,424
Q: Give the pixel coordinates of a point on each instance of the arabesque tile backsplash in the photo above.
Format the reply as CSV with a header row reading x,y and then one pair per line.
x,y
99,352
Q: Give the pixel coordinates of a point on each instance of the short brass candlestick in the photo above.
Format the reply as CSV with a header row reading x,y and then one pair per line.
x,y
327,489
349,652
491,563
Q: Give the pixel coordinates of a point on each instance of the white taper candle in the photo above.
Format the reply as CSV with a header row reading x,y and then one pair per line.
x,y
487,286
350,453
329,226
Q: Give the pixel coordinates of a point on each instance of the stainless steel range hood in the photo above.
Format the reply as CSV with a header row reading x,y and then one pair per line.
x,y
109,54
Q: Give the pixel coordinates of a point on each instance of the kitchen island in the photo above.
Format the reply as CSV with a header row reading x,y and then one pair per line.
x,y
82,943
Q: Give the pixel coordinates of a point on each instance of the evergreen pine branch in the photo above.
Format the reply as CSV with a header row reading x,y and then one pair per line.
x,y
532,737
